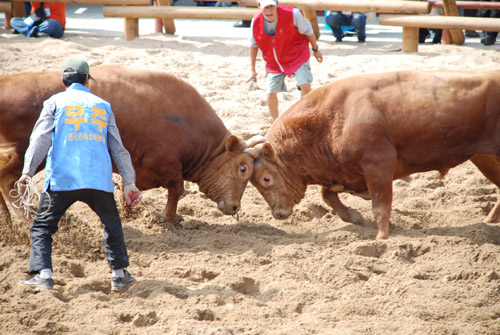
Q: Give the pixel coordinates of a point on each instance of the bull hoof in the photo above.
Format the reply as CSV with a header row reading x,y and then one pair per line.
x,y
492,218
355,217
382,235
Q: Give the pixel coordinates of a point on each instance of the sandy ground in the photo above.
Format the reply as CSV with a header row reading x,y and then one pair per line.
x,y
439,273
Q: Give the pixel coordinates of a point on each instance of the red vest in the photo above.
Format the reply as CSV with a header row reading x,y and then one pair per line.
x,y
288,49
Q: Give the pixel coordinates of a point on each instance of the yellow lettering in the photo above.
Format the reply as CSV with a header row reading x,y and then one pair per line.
x,y
76,121
100,123
98,112
73,111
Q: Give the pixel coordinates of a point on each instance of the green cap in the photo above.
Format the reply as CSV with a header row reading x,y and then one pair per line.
x,y
75,66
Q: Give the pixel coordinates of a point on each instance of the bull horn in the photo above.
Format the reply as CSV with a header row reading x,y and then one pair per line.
x,y
254,140
254,152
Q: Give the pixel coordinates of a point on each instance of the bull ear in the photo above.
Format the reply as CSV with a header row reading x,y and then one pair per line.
x,y
267,151
233,145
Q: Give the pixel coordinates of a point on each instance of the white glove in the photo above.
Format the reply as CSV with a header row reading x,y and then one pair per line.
x,y
132,194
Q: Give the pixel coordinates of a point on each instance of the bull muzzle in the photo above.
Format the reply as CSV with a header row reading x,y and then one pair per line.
x,y
228,208
281,214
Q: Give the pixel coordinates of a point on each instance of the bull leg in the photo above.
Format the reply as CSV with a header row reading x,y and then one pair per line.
x,y
4,211
489,165
6,186
345,213
379,174
174,194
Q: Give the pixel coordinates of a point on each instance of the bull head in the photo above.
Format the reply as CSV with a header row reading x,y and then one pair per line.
x,y
273,179
226,178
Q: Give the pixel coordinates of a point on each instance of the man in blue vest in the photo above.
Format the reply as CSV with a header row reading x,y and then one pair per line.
x,y
76,132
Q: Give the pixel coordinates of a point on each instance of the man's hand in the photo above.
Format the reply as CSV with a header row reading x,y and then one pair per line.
x,y
253,77
318,55
132,194
22,184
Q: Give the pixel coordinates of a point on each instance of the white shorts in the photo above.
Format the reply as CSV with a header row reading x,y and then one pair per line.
x,y
275,82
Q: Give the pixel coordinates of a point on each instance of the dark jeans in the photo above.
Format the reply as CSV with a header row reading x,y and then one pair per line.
x,y
493,14
45,225
50,27
337,20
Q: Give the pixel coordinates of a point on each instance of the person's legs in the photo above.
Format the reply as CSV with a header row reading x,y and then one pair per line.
x,y
44,226
336,20
304,78
275,83
104,205
273,105
490,37
52,28
19,25
359,23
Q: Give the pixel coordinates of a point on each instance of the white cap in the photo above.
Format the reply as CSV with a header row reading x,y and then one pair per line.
x,y
264,3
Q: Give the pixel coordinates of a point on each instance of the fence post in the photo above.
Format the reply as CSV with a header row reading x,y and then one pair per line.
x,y
450,9
167,23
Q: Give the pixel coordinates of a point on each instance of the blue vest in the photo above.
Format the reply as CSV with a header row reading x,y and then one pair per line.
x,y
79,156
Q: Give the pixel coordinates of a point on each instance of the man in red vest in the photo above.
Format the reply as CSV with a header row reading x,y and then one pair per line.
x,y
283,35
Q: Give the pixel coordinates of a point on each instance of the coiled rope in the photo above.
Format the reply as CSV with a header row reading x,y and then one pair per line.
x,y
29,200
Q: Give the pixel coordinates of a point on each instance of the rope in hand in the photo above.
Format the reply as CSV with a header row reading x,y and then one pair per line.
x,y
29,200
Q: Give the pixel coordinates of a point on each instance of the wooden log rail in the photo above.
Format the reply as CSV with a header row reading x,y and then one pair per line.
x,y
377,6
469,4
411,24
205,13
103,2
132,15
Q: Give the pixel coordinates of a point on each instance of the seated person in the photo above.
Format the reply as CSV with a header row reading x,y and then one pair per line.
x,y
53,25
337,20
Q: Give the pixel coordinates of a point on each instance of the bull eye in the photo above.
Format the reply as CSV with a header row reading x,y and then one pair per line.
x,y
243,168
267,179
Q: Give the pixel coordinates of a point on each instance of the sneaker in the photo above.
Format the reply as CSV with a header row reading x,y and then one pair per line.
x,y
242,24
487,41
117,283
39,283
338,40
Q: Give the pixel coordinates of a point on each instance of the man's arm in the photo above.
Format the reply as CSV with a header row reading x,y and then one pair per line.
x,y
314,46
120,155
123,162
253,60
304,27
40,139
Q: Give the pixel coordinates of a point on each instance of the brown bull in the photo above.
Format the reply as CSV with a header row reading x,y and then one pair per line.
x,y
359,134
170,130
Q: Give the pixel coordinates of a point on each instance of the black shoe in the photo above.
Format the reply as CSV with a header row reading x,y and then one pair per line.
x,y
361,41
471,33
338,40
15,32
117,283
39,283
487,41
242,24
